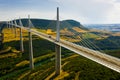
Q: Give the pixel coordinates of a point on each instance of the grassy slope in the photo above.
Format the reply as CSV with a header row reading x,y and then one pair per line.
x,y
73,66
13,62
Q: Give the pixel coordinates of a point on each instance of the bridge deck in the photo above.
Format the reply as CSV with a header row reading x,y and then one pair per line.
x,y
101,58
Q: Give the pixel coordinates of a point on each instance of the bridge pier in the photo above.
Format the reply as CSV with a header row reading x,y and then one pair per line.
x,y
30,47
21,41
58,59
57,47
31,51
15,28
9,25
21,37
15,32
12,29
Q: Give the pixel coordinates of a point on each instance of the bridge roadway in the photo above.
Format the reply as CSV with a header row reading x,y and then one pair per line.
x,y
101,58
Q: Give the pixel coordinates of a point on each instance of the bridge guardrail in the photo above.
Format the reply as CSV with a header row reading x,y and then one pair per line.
x,y
96,53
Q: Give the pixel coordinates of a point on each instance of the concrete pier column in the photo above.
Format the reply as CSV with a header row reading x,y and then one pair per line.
x,y
21,37
30,46
15,30
58,59
57,47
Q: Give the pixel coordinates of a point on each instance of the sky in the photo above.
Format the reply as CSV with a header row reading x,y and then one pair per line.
x,y
84,11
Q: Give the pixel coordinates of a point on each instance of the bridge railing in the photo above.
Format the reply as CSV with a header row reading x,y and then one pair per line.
x,y
96,53
85,49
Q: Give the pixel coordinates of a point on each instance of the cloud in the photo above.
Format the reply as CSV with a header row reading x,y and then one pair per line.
x,y
114,14
85,11
92,10
15,14
117,0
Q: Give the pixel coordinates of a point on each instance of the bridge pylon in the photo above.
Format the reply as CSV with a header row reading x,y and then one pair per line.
x,y
21,37
57,47
30,45
7,24
12,29
10,25
15,28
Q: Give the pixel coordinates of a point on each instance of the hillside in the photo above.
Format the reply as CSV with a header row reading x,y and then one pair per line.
x,y
51,24
15,65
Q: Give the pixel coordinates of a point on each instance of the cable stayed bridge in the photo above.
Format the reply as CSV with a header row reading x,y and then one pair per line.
x,y
97,56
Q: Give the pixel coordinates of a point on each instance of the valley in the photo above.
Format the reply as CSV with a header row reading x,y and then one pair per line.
x,y
15,65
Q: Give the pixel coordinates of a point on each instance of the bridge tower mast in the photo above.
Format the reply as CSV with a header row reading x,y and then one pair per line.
x,y
57,47
30,45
